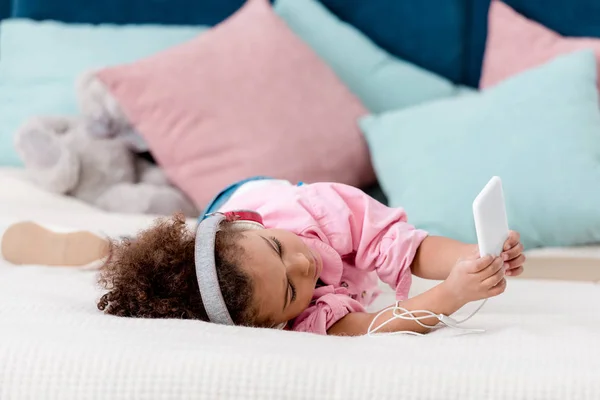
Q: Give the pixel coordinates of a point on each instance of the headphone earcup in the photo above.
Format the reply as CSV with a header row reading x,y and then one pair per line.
x,y
244,216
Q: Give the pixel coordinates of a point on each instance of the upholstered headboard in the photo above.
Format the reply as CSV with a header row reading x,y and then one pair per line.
x,y
444,36
178,12
5,8
569,18
434,34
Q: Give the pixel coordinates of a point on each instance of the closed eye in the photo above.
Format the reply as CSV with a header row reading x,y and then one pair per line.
x,y
291,286
275,245
278,245
293,289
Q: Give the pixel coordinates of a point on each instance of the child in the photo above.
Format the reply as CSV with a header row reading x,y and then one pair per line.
x,y
307,259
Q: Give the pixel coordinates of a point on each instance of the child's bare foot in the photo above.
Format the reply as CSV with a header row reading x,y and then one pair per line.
x,y
30,243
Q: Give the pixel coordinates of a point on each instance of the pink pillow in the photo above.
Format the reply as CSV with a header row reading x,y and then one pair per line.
x,y
516,43
246,98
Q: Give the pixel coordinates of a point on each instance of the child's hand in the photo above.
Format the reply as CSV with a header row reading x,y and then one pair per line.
x,y
513,254
474,278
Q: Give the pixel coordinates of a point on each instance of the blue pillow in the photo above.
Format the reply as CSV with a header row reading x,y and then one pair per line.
x,y
539,131
41,61
569,18
380,80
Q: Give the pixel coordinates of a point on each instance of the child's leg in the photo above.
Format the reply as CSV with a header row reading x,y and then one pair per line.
x,y
30,243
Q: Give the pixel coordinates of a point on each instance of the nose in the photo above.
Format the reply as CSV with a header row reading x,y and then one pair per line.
x,y
300,265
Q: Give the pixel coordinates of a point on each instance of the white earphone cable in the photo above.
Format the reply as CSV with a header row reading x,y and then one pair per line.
x,y
405,314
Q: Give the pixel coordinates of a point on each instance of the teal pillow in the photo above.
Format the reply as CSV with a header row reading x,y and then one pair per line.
x,y
41,61
381,81
539,131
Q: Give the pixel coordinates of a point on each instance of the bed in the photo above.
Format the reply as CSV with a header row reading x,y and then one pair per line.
x,y
542,339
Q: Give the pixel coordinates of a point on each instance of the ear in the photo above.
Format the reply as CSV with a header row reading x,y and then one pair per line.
x,y
101,112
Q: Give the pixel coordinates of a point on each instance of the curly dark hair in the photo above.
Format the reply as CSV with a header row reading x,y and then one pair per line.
x,y
154,276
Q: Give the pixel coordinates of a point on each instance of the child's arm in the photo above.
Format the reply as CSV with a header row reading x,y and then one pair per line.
x,y
437,255
471,279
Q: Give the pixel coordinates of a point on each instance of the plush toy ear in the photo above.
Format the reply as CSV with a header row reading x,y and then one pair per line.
x,y
102,115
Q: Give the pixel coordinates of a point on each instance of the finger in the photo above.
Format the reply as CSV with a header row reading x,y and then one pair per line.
x,y
491,269
517,262
514,272
513,252
498,289
513,238
480,264
495,278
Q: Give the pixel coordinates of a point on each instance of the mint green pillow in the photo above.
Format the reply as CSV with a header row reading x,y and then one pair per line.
x,y
539,131
41,61
381,81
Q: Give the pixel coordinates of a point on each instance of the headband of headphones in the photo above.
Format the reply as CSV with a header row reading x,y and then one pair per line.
x,y
204,254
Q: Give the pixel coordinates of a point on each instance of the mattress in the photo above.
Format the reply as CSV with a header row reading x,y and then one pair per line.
x,y
541,340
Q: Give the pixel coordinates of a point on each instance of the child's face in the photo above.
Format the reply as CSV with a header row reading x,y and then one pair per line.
x,y
284,271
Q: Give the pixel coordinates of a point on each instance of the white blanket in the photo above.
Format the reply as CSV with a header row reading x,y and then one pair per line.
x,y
542,341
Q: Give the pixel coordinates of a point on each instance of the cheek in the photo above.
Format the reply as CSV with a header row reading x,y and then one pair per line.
x,y
293,241
309,289
305,291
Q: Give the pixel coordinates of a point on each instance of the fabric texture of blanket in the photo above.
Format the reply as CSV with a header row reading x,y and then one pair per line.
x,y
541,340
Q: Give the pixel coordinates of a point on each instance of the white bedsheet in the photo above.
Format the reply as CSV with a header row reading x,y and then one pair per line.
x,y
543,341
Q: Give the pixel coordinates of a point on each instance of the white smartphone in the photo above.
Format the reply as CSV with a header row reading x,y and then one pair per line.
x,y
491,223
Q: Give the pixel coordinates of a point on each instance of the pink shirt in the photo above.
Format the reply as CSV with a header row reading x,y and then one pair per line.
x,y
359,240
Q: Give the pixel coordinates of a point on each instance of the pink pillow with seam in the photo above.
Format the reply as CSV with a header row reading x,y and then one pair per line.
x,y
515,43
246,98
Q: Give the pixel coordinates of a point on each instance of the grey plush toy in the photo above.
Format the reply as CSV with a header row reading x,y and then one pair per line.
x,y
62,156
